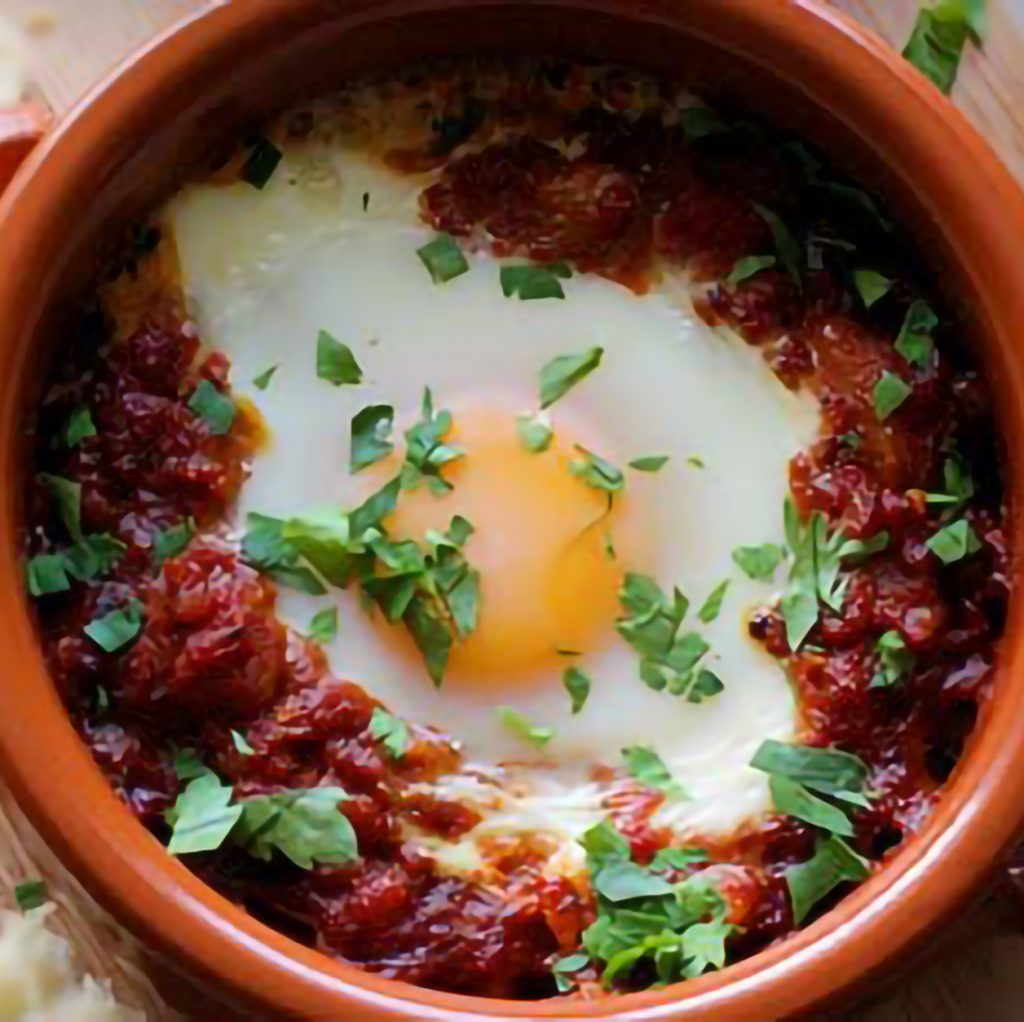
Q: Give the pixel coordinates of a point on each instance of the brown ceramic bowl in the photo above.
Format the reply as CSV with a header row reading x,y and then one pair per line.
x,y
123,148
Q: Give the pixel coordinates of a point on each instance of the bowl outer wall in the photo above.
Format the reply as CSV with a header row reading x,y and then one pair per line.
x,y
957,185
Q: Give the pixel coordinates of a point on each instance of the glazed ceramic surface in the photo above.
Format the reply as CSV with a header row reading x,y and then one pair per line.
x,y
167,112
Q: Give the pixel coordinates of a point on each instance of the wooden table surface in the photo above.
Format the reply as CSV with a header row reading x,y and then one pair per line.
x,y
977,977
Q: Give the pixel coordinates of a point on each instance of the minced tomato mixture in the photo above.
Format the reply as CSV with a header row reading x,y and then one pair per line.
x,y
570,164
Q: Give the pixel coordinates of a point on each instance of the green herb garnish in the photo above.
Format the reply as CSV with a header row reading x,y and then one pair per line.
x,y
791,798
937,42
68,495
577,684
958,482
261,163
371,433
747,267
915,342
535,432
262,381
954,542
426,453
786,245
172,541
217,410
241,743
391,732
521,726
79,426
895,660
713,604
592,470
647,767
116,628
323,626
834,863
759,562
443,259
828,771
30,894
335,362
563,968
563,372
871,286
534,282
202,817
45,574
655,463
889,393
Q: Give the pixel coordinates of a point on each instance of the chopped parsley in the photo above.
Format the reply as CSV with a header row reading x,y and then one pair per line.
x,y
747,267
216,409
786,245
791,798
265,547
959,486
262,381
241,743
521,726
116,628
95,555
426,453
592,470
871,286
45,574
260,164
335,362
172,541
834,863
828,771
68,495
895,660
654,463
759,563
30,894
371,432
443,259
323,626
578,685
695,460
563,372
915,342
647,767
954,542
563,968
940,34
391,732
535,432
531,283
79,426
713,604
889,393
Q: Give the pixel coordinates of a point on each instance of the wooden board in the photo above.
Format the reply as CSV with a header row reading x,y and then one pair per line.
x,y
978,977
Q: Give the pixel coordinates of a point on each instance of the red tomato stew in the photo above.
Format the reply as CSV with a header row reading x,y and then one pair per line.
x,y
296,793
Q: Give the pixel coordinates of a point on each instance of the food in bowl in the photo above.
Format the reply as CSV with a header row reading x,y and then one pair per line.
x,y
522,531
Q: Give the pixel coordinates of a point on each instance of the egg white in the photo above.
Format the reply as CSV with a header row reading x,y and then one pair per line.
x,y
264,271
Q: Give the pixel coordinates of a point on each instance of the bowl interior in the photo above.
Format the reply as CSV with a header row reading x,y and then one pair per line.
x,y
169,114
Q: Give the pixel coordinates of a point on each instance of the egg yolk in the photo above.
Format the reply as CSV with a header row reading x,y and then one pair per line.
x,y
549,551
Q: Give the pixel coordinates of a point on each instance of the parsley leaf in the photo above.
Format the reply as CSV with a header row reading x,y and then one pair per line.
x,y
563,968
563,372
954,542
30,894
79,426
791,798
202,816
68,495
786,245
654,463
677,858
535,432
592,470
895,660
335,362
262,381
521,726
534,282
261,163
116,628
759,562
834,863
172,541
391,732
323,626
871,286
915,342
713,604
265,547
825,770
889,393
958,482
241,743
426,452
371,430
577,684
443,259
217,410
187,765
940,34
45,574
747,267
647,767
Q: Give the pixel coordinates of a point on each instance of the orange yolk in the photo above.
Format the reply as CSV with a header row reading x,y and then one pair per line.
x,y
547,579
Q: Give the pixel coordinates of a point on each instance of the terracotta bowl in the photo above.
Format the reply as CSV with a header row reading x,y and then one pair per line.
x,y
164,111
